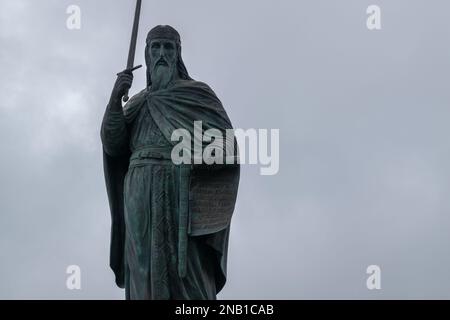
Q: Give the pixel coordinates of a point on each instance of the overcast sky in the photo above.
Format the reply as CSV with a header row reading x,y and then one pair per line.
x,y
365,147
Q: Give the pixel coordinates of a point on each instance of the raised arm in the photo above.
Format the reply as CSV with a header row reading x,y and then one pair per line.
x,y
114,132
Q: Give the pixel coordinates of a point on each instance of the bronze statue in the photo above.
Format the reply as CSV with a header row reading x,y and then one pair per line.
x,y
170,223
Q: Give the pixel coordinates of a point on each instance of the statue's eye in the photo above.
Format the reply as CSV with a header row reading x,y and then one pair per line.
x,y
168,46
156,45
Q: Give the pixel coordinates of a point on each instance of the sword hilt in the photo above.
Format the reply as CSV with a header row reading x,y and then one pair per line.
x,y
125,97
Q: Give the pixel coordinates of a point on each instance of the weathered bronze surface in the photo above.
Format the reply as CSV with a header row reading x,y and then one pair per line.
x,y
170,223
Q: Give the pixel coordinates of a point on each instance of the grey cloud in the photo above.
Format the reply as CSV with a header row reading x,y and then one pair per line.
x,y
363,118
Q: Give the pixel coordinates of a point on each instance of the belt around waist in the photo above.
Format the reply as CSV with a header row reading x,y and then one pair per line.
x,y
151,155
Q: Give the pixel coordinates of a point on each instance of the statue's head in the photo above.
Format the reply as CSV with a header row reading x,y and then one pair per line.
x,y
163,57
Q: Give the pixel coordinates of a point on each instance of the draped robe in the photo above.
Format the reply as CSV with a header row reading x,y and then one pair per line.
x,y
163,244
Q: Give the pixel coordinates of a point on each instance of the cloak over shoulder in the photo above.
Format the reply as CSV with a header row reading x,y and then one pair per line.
x,y
207,192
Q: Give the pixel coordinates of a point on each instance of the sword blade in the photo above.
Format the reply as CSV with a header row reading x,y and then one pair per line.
x,y
134,34
132,50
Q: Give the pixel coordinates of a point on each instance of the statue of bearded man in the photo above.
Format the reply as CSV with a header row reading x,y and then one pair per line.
x,y
170,222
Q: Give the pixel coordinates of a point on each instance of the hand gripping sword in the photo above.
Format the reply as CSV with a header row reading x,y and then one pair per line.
x,y
132,50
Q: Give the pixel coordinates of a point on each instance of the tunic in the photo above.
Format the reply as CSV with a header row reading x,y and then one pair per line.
x,y
154,254
151,223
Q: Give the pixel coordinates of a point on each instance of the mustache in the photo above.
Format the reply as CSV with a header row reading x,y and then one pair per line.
x,y
162,62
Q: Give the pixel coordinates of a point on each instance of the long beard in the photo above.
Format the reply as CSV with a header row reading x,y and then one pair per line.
x,y
162,76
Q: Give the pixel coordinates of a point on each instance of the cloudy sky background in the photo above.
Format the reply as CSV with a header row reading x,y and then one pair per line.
x,y
364,158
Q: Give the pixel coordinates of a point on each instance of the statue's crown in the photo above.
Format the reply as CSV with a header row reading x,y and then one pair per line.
x,y
163,32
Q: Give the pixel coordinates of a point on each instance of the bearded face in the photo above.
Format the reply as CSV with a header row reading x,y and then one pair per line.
x,y
163,62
